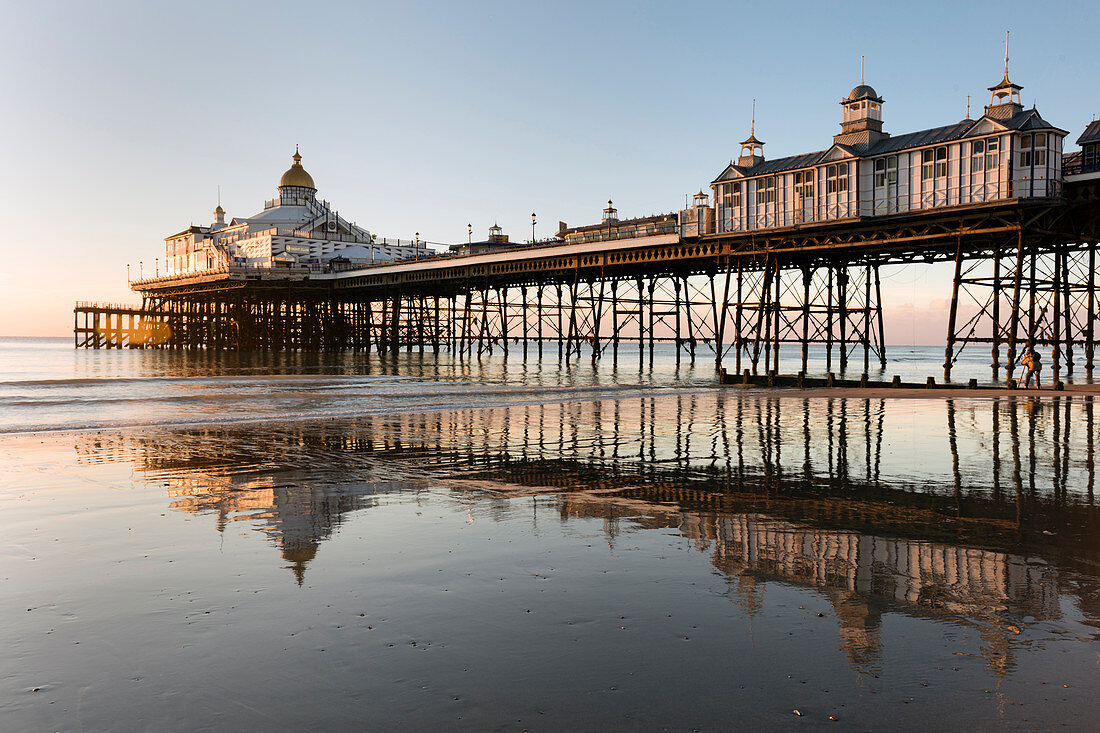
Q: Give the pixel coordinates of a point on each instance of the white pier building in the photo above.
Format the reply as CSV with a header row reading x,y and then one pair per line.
x,y
1009,152
296,228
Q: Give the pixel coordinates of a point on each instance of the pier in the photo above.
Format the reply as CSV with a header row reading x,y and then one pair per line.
x,y
735,295
790,252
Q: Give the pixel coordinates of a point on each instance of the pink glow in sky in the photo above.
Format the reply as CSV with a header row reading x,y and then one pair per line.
x,y
122,119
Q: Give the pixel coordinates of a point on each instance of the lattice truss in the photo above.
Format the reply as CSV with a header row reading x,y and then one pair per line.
x,y
837,306
1043,296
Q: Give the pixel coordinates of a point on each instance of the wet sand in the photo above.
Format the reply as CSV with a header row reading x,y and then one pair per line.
x,y
701,561
938,392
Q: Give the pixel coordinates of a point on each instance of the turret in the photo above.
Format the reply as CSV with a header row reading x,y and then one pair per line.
x,y
1004,96
296,185
752,150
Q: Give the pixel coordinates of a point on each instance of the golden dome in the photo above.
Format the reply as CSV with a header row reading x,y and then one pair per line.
x,y
296,175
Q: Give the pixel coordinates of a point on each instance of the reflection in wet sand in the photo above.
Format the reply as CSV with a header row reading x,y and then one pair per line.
x,y
947,510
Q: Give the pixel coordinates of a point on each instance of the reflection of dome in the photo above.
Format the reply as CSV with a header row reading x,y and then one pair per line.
x,y
296,175
863,91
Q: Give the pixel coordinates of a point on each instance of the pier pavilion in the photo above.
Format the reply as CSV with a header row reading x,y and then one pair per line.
x,y
293,228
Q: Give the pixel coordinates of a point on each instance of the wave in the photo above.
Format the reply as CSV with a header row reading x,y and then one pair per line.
x,y
385,408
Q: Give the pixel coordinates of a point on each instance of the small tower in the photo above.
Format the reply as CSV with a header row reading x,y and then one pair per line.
x,y
861,120
219,213
610,214
296,185
1004,97
752,150
496,235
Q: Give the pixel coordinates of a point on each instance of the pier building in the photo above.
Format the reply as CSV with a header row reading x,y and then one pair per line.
x,y
1085,163
1009,152
293,228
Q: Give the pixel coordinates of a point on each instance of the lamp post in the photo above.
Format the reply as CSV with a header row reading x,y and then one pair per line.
x,y
141,271
156,263
127,272
532,227
469,234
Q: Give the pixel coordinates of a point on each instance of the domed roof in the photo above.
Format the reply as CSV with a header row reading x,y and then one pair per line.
x,y
296,175
863,91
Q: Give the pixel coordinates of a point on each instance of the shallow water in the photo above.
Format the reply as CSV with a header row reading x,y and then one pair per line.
x,y
463,552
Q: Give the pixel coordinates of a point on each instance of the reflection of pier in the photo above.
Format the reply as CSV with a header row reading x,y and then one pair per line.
x,y
998,470
983,511
296,517
863,574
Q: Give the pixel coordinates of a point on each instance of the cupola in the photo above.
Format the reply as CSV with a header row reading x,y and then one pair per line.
x,y
610,214
752,150
861,118
296,183
1004,97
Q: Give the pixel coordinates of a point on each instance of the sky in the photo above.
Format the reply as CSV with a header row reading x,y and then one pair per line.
x,y
122,119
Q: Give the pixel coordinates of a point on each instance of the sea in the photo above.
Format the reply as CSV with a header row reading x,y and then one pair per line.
x,y
510,541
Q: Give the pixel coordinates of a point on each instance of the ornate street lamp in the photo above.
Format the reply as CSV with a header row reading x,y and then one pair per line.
x,y
532,227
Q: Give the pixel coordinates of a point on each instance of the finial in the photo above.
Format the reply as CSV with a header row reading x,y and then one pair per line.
x,y
297,157
219,195
861,70
752,125
968,106
1006,54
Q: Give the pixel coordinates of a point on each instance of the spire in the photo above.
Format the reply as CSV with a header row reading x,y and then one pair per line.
x,y
1004,97
752,141
219,213
861,69
752,150
297,157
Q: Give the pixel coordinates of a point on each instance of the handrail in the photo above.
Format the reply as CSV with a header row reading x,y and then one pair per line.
x,y
92,305
764,216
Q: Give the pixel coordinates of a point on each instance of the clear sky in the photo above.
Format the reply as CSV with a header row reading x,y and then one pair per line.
x,y
121,119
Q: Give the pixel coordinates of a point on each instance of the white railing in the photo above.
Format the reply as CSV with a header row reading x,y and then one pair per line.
x,y
770,216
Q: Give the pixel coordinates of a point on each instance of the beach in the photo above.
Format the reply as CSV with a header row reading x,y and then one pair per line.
x,y
663,555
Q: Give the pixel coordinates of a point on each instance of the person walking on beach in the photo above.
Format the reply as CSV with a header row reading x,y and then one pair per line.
x,y
1034,365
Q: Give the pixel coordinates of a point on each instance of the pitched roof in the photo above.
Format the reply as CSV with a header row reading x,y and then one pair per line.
x,y
1091,133
918,139
1028,119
